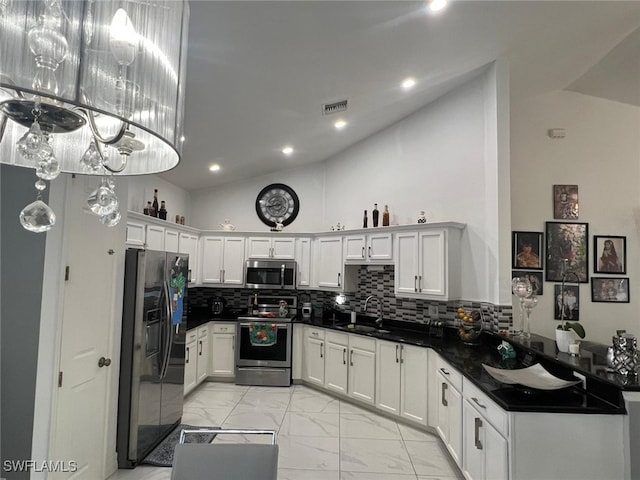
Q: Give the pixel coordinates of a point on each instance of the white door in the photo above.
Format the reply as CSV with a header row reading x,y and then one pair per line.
x,y
388,376
233,264
362,373
223,353
432,279
212,250
413,386
84,420
330,262
406,263
314,360
335,367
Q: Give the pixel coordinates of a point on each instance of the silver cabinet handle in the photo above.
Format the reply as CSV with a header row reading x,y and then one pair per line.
x,y
401,350
351,358
344,356
444,371
339,274
321,349
478,403
369,249
315,334
200,352
233,342
444,395
362,252
477,425
419,283
187,360
397,360
415,283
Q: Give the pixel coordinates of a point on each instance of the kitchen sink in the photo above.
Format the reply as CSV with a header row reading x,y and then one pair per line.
x,y
365,329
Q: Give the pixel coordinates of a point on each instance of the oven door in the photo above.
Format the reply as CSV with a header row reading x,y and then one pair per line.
x,y
263,344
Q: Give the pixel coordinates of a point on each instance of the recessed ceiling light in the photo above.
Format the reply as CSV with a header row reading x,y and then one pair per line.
x,y
436,5
214,167
288,150
408,83
340,124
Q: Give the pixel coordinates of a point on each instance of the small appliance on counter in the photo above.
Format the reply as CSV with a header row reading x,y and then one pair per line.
x,y
217,306
306,311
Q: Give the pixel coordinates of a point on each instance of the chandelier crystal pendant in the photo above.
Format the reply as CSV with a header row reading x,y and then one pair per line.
x,y
91,87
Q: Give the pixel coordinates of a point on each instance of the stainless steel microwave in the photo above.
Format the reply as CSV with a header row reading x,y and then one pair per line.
x,y
275,274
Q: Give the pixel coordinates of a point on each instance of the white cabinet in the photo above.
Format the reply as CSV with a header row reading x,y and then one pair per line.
x,y
155,238
271,247
303,260
427,264
223,344
336,370
223,260
135,234
401,380
188,243
328,262
314,349
373,247
362,369
202,367
449,408
191,361
485,449
171,240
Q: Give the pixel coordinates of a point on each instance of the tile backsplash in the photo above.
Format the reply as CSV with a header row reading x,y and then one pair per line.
x,y
377,282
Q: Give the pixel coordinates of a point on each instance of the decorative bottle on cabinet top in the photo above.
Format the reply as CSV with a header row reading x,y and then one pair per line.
x,y
154,211
162,213
365,220
375,214
385,216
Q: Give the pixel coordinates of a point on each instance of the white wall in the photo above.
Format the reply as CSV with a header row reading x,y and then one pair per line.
x,y
600,154
434,160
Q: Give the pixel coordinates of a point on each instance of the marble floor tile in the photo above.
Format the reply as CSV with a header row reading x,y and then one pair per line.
x,y
214,398
311,424
205,417
260,390
375,476
296,474
309,453
265,399
251,417
375,456
440,477
368,425
348,407
218,386
309,400
411,433
143,472
431,459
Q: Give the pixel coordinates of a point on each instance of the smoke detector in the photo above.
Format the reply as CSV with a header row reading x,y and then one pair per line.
x,y
557,133
335,107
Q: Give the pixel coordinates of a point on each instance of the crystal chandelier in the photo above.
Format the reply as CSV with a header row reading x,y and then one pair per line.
x,y
92,87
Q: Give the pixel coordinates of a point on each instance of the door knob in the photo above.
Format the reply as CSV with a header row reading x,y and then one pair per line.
x,y
104,362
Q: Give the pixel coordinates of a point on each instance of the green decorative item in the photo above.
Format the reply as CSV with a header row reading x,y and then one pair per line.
x,y
506,350
575,326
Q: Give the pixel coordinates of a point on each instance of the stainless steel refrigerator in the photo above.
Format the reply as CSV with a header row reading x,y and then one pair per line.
x,y
154,321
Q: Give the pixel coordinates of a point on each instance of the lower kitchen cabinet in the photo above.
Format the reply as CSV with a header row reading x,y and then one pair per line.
x,y
362,369
449,408
336,368
202,367
314,349
191,361
223,345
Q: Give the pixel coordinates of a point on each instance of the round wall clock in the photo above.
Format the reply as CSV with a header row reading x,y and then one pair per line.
x,y
277,203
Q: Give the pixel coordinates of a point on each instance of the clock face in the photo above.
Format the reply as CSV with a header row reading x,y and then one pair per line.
x,y
277,203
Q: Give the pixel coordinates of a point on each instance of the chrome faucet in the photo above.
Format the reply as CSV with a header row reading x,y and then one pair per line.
x,y
366,303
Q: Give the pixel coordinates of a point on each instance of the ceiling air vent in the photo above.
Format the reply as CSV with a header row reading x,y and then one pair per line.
x,y
335,107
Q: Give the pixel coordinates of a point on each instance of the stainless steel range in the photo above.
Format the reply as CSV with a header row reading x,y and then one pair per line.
x,y
263,342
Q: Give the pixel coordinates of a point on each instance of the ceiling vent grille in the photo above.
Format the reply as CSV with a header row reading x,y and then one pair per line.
x,y
335,107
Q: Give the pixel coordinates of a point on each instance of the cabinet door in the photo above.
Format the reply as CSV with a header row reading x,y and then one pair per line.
x,y
233,262
388,376
303,259
454,443
406,264
155,238
413,383
379,247
314,360
354,248
190,366
212,250
203,355
473,453
335,366
259,247
171,240
135,234
362,373
223,354
329,262
432,277
188,243
283,248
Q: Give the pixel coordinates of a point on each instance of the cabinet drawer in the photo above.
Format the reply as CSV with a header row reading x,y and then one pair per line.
x,y
203,331
192,335
224,328
315,332
451,374
495,415
362,343
338,338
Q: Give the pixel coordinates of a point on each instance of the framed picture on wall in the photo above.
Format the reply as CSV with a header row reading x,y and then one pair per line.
x,y
565,202
535,278
567,250
609,254
567,300
610,289
526,248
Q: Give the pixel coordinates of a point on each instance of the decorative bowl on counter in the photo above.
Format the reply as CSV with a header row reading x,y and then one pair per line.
x,y
470,328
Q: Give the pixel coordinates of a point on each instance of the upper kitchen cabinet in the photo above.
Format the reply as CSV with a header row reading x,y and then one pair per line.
x,y
188,243
223,259
271,247
303,261
330,271
427,262
369,248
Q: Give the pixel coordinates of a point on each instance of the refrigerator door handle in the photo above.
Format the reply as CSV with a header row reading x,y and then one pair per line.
x,y
167,331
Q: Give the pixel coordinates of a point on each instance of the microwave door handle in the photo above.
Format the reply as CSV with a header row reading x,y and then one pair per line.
x,y
168,341
282,275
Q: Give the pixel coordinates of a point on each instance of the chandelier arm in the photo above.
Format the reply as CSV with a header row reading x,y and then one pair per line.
x,y
94,129
117,170
3,125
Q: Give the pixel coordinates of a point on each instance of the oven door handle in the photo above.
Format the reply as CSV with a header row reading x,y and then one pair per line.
x,y
279,325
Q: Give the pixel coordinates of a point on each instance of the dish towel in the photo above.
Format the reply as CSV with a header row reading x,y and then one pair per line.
x,y
263,334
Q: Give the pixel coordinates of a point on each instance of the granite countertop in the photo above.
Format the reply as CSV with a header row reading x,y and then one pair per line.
x,y
601,395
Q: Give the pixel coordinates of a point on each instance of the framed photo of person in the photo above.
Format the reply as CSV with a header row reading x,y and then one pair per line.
x,y
610,289
526,250
567,252
567,300
535,278
609,254
565,202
